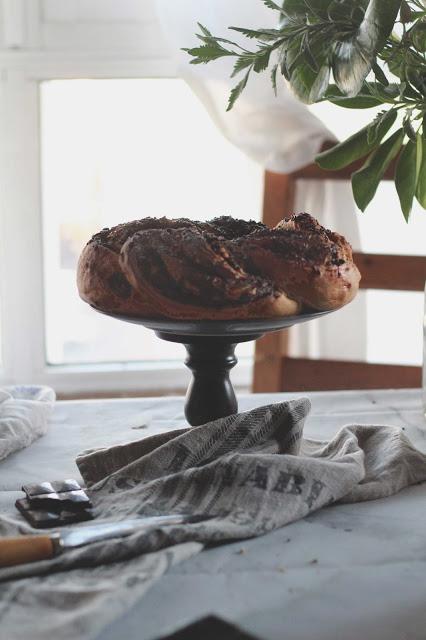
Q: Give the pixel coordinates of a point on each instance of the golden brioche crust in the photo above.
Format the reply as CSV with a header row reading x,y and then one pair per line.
x,y
310,263
219,270
102,283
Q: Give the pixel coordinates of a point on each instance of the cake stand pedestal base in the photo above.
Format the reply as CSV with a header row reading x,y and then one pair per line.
x,y
210,393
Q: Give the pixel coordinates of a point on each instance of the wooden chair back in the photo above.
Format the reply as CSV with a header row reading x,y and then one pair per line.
x,y
274,370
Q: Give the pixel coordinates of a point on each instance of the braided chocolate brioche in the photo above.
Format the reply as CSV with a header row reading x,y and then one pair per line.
x,y
221,269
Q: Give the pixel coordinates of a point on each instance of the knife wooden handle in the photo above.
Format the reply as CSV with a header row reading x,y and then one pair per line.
x,y
25,549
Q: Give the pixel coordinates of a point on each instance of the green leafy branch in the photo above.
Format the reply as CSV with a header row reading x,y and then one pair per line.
x,y
357,54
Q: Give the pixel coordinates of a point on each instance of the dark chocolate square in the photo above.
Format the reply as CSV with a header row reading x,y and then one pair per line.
x,y
57,486
70,500
42,518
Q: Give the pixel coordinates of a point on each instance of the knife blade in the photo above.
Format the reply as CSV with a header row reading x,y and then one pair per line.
x,y
23,549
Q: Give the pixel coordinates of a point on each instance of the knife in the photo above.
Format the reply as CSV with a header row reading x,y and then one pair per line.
x,y
31,548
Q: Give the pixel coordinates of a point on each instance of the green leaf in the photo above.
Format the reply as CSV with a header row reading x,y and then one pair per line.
x,y
206,53
237,90
407,64
367,179
361,101
241,63
421,183
394,58
408,129
418,14
214,40
274,78
355,147
262,60
352,62
340,11
386,94
410,93
380,75
354,56
418,36
204,30
293,7
308,84
364,100
406,177
379,21
272,5
309,56
374,128
264,35
419,143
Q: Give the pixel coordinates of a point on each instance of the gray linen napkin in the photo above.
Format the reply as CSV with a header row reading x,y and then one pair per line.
x,y
252,472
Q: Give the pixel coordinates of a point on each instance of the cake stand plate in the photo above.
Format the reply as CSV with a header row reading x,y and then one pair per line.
x,y
210,346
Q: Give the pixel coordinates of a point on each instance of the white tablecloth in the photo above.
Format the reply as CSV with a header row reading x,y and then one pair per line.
x,y
345,573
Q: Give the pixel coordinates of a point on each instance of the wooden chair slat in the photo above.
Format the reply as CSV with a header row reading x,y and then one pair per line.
x,y
300,374
278,197
267,374
393,272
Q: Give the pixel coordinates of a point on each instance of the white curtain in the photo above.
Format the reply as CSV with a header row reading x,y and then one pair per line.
x,y
281,134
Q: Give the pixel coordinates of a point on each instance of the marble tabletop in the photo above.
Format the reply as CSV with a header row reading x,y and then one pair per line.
x,y
348,572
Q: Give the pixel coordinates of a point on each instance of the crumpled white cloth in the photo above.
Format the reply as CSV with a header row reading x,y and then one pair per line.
x,y
24,416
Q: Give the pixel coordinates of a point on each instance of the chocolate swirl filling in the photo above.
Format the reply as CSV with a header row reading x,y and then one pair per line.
x,y
185,264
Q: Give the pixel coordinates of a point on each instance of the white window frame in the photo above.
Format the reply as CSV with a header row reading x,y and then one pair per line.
x,y
22,314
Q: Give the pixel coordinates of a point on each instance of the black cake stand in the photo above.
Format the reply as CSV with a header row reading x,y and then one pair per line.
x,y
210,345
